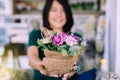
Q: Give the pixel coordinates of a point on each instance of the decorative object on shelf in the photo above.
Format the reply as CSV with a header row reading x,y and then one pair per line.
x,y
10,66
103,5
84,5
100,34
23,6
107,76
28,6
2,5
85,25
3,36
36,6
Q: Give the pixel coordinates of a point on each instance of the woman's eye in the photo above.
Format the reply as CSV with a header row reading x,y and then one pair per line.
x,y
57,10
54,10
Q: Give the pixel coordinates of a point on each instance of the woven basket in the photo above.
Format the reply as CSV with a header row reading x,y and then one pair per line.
x,y
56,63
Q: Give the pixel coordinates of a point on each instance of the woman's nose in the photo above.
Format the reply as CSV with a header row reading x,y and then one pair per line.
x,y
59,13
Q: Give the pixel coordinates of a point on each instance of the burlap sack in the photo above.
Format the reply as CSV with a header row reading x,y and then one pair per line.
x,y
56,63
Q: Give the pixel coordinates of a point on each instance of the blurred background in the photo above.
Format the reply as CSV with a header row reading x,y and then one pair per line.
x,y
96,20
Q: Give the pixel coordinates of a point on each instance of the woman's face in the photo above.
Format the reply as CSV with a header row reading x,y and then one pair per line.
x,y
57,17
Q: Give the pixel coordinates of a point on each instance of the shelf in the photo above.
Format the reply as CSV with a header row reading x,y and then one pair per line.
x,y
29,0
25,6
36,7
86,12
96,13
30,12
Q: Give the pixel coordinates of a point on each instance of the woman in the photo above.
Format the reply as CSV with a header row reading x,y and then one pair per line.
x,y
57,16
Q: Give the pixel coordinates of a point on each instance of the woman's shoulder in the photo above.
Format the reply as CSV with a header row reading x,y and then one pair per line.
x,y
35,34
35,31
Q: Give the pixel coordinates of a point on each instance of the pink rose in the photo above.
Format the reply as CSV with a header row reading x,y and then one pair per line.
x,y
72,40
58,39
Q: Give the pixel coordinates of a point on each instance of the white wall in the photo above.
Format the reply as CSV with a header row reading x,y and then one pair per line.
x,y
8,7
110,34
112,38
117,65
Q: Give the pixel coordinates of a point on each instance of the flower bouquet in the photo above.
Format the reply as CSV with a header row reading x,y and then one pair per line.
x,y
61,51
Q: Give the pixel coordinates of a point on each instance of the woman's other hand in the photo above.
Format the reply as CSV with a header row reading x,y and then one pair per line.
x,y
74,68
68,75
43,71
42,68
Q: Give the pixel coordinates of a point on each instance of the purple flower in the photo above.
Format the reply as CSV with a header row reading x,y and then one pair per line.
x,y
59,38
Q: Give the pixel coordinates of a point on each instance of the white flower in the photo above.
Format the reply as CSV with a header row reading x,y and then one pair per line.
x,y
83,43
46,40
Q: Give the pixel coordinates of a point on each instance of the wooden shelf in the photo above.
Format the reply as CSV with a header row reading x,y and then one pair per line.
x,y
30,12
29,0
96,13
39,11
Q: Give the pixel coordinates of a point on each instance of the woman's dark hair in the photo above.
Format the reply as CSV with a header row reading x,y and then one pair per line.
x,y
68,26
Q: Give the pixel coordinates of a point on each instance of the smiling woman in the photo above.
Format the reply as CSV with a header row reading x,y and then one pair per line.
x,y
61,12
57,16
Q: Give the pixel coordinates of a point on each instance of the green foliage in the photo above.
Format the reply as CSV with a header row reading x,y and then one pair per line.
x,y
65,48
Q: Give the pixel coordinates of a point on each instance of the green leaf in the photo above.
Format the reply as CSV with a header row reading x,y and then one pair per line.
x,y
64,52
59,49
65,47
72,53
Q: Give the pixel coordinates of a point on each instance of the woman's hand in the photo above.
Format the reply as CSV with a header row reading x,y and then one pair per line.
x,y
42,69
74,69
65,76
53,75
68,75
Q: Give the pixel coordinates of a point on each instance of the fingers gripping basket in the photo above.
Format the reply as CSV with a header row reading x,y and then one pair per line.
x,y
56,63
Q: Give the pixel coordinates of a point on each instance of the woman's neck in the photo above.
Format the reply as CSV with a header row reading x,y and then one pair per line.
x,y
58,30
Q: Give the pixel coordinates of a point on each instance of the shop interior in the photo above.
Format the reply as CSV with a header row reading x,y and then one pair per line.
x,y
91,19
